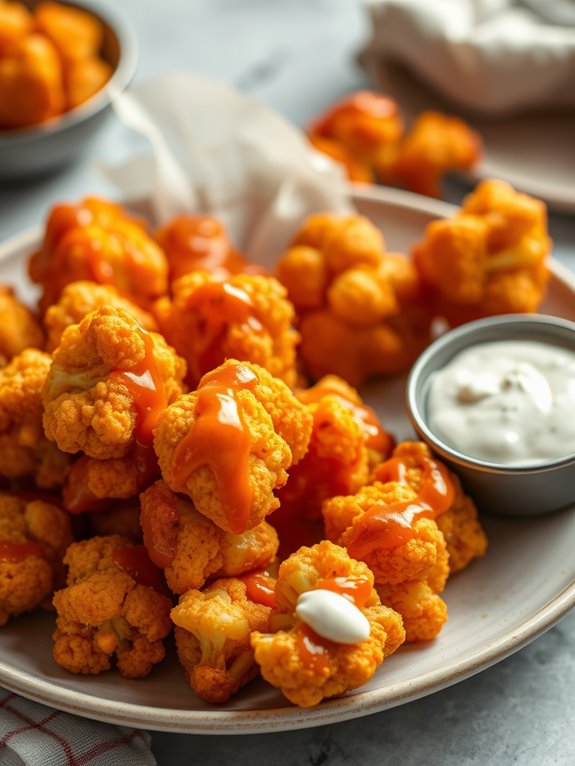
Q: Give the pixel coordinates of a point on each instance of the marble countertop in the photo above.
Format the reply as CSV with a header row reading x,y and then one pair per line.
x,y
299,56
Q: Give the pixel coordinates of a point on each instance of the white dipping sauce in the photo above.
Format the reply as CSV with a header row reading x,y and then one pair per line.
x,y
508,402
332,616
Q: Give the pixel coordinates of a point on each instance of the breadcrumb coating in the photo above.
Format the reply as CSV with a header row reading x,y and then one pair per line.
x,y
243,317
201,550
436,144
96,240
490,258
212,632
284,657
346,440
275,428
360,308
88,405
105,615
34,535
79,299
410,573
19,328
24,450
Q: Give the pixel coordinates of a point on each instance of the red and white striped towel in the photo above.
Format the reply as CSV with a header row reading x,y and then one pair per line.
x,y
34,735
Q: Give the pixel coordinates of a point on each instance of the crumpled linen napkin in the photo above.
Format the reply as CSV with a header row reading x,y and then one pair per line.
x,y
35,735
494,57
220,152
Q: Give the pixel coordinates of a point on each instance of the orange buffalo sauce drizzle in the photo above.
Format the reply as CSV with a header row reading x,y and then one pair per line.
x,y
217,305
313,649
354,589
14,552
220,440
135,561
147,390
260,588
389,525
375,437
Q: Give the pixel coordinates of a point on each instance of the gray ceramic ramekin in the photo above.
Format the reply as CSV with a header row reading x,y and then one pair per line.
x,y
515,490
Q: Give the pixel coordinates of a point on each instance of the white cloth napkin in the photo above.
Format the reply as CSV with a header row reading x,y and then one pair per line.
x,y
491,56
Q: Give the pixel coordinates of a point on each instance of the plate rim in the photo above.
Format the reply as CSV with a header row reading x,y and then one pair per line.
x,y
286,718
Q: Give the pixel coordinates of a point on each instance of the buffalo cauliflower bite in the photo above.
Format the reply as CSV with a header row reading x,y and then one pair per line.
x,y
198,243
346,440
95,240
24,450
229,444
407,550
108,382
113,609
436,144
306,667
81,298
363,130
360,308
95,485
242,317
490,258
212,631
34,535
191,549
19,328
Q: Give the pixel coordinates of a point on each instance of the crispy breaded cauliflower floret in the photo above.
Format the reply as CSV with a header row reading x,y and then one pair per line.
x,y
92,397
459,524
346,440
34,535
109,610
436,144
81,298
360,307
490,258
213,629
365,133
96,240
19,328
198,243
306,667
244,317
229,444
410,562
94,485
192,549
24,450
422,556
366,127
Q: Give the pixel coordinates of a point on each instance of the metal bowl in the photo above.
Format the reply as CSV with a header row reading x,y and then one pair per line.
x,y
515,490
42,148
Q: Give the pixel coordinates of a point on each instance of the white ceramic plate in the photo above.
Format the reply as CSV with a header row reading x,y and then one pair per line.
x,y
524,584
